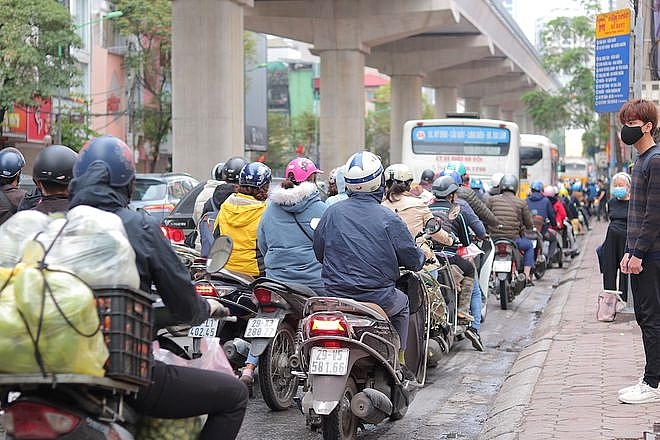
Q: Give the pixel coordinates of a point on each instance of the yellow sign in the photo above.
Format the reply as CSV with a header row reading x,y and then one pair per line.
x,y
611,24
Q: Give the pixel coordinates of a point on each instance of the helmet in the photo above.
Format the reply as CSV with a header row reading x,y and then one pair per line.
x,y
456,166
364,172
398,171
216,171
453,174
54,164
11,162
550,191
577,186
232,168
301,168
332,177
428,175
444,186
495,179
111,152
536,185
255,174
476,184
509,182
563,192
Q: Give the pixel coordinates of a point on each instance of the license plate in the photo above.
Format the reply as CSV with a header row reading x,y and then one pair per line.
x,y
501,266
208,328
261,327
329,361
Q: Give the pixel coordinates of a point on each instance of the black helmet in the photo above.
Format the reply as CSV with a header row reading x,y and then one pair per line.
x,y
428,175
113,153
444,186
232,169
216,171
509,182
11,162
54,164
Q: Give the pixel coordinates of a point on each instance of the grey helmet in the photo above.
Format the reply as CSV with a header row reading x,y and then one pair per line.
x,y
509,182
444,186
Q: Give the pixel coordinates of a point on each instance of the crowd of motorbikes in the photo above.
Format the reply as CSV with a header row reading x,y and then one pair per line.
x,y
336,359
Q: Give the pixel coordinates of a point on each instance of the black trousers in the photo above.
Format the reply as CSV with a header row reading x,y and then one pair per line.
x,y
613,249
646,291
180,392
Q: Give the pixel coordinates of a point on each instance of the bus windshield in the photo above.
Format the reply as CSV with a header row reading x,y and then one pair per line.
x,y
461,140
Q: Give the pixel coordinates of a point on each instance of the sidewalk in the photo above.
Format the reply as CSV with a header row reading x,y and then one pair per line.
x,y
564,384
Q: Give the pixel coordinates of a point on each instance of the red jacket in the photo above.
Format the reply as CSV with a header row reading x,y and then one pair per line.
x,y
560,211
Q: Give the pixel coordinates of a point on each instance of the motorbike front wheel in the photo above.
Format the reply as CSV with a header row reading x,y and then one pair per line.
x,y
278,385
341,423
504,296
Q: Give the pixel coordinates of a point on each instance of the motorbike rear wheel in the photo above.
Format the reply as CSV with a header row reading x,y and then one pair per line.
x,y
341,423
278,385
504,296
539,267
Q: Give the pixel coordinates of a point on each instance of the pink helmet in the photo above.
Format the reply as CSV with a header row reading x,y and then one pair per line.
x,y
301,168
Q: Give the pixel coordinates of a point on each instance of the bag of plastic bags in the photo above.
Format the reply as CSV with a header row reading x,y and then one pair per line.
x,y
213,357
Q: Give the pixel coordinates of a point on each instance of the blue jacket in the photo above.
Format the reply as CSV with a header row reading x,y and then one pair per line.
x,y
361,245
541,206
471,219
287,244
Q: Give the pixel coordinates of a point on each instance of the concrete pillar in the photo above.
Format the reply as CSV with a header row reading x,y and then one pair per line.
x,y
445,101
473,105
507,115
207,83
342,105
406,104
491,112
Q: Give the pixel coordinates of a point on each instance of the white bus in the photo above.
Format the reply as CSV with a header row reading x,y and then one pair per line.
x,y
484,146
539,160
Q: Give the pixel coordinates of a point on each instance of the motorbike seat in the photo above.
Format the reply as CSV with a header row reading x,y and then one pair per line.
x,y
378,309
302,290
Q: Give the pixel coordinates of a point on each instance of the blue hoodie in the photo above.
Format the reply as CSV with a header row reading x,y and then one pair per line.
x,y
284,235
540,205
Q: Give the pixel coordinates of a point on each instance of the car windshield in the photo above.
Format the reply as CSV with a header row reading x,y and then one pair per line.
x,y
149,190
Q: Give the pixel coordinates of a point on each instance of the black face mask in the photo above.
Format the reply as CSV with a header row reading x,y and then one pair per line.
x,y
630,135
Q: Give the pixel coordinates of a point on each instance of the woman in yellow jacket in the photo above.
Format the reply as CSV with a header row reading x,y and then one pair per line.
x,y
239,218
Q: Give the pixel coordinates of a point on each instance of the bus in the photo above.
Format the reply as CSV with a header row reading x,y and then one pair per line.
x,y
577,168
484,146
539,160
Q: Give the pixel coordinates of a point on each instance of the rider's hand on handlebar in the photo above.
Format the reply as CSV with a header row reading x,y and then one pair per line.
x,y
217,309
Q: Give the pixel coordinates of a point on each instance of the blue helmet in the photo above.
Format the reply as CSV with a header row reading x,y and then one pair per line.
x,y
536,185
454,175
255,174
113,153
577,186
476,184
11,162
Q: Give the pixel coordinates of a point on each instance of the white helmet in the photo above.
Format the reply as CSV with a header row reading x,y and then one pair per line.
x,y
398,171
364,172
495,179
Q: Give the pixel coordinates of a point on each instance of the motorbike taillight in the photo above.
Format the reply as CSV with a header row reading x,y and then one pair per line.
x,y
173,234
502,248
30,420
327,325
205,289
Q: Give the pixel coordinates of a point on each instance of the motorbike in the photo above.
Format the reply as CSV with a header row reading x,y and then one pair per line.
x,y
540,261
272,337
348,354
74,406
508,278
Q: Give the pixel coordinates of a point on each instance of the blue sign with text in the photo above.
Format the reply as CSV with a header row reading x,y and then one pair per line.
x,y
612,85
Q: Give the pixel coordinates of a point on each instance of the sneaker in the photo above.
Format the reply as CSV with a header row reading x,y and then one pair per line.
x,y
625,390
406,373
529,282
248,380
642,393
474,337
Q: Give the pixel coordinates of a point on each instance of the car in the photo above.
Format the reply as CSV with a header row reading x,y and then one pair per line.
x,y
158,193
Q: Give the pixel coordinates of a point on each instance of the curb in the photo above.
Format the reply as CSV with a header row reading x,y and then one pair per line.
x,y
508,411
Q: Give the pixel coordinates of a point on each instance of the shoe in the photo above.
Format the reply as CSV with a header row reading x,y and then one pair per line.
x,y
248,380
465,316
474,337
529,282
642,393
406,373
625,390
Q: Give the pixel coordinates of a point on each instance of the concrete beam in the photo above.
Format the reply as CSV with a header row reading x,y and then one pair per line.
x,y
473,71
496,86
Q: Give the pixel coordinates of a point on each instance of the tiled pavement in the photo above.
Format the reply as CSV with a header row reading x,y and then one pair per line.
x,y
564,384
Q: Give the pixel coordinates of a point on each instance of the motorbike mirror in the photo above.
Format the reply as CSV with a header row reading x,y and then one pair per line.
x,y
432,226
219,253
454,211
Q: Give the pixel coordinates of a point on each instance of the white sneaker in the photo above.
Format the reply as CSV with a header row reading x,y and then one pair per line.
x,y
631,387
643,393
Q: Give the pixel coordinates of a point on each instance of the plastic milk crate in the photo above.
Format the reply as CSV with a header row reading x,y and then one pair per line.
x,y
127,320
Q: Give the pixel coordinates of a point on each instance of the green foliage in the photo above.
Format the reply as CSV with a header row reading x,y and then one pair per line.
x,y
280,151
34,38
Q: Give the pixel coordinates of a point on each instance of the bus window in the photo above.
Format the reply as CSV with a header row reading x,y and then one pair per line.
x,y
530,155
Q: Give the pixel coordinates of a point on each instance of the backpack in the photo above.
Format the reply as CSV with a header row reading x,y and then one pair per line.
x,y
205,228
647,159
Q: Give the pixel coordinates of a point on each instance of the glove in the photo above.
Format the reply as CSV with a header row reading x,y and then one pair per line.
x,y
217,309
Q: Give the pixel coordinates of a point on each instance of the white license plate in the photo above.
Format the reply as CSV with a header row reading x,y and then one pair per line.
x,y
501,266
207,328
330,361
261,327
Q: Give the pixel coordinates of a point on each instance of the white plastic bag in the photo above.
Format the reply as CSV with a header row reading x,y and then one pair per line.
x,y
213,357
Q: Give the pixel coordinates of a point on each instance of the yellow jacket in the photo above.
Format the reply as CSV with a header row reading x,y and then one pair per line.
x,y
238,218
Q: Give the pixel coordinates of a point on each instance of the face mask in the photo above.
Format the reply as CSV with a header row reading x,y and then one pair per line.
x,y
619,192
630,135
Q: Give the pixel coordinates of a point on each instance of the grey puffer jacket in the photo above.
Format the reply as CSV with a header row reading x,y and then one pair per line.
x,y
485,215
512,212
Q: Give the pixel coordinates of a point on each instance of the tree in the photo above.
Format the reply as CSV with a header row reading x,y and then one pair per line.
x,y
35,61
149,61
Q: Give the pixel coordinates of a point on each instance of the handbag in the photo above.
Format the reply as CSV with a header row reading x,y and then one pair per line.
x,y
607,305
